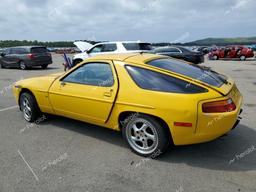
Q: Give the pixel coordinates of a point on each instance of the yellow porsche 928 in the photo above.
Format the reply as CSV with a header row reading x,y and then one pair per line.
x,y
154,100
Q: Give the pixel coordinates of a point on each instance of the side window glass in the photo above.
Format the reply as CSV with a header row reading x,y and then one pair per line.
x,y
96,49
19,51
7,51
109,48
13,51
96,74
174,50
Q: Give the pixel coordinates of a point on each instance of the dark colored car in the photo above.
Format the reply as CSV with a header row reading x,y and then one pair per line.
x,y
181,53
204,50
231,52
25,57
1,51
253,47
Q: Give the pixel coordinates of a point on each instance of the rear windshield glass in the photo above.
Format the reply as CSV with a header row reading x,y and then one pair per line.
x,y
39,50
154,81
137,46
193,71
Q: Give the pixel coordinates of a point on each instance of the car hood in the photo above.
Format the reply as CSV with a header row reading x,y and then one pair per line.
x,y
42,83
83,46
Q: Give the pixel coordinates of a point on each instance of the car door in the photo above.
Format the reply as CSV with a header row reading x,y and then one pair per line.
x,y
232,53
7,59
87,93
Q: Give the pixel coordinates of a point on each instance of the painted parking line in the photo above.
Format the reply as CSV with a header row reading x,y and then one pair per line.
x,y
29,167
9,108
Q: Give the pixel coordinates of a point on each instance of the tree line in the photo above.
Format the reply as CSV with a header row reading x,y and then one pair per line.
x,y
14,43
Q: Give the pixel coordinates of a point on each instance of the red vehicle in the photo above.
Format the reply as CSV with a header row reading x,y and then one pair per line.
x,y
231,52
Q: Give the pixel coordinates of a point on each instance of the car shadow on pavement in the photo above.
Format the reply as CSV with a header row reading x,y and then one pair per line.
x,y
41,69
234,152
101,133
35,68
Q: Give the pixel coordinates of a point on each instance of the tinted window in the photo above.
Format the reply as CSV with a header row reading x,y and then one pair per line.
x,y
96,49
7,51
193,71
137,46
154,81
98,74
39,50
109,48
173,50
19,51
167,49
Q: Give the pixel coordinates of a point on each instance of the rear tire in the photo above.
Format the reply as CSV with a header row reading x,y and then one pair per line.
x,y
242,58
44,66
23,65
145,135
29,107
2,66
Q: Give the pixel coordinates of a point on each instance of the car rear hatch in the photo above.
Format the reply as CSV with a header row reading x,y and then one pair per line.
x,y
40,54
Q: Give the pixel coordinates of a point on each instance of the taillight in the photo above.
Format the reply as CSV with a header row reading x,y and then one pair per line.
x,y
30,56
219,106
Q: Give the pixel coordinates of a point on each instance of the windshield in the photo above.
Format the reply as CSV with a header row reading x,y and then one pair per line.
x,y
196,72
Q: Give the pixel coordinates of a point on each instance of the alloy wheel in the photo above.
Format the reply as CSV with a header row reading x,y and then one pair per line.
x,y
142,136
242,58
23,65
26,108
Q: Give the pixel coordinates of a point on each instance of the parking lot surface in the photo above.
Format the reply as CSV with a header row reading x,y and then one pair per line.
x,y
61,154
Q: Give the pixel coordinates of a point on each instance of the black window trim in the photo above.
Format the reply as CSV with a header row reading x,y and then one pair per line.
x,y
91,62
169,74
181,75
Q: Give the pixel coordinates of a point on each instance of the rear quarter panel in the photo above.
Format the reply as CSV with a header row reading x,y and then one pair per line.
x,y
170,107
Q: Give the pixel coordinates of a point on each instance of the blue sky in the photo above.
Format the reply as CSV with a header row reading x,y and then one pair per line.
x,y
152,20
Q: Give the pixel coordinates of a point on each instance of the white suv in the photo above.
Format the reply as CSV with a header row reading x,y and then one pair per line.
x,y
89,50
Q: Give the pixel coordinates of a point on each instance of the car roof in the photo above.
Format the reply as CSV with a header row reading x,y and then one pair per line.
x,y
113,42
128,57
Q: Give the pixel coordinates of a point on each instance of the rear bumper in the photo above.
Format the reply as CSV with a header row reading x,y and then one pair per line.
x,y
213,132
212,125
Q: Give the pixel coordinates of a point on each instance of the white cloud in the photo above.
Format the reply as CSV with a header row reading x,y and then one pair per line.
x,y
153,20
239,4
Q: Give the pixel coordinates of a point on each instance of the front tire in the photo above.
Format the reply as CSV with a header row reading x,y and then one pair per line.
x,y
29,107
145,135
